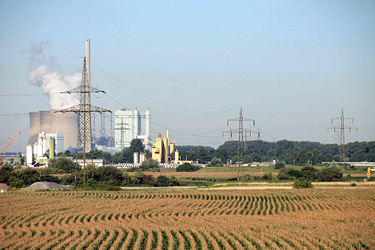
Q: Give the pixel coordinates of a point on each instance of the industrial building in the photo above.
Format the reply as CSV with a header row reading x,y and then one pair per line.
x,y
164,151
47,144
51,122
130,124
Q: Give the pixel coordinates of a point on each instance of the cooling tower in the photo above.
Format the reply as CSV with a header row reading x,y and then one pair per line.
x,y
51,122
34,127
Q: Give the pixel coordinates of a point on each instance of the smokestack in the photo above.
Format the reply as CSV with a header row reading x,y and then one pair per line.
x,y
87,147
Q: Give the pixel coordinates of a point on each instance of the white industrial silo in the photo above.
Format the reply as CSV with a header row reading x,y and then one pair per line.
x,y
29,155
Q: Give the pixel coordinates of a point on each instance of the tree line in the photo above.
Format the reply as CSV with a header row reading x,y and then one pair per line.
x,y
290,152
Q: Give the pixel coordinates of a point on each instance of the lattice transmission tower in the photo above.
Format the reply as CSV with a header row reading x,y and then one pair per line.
x,y
122,130
342,128
84,108
241,131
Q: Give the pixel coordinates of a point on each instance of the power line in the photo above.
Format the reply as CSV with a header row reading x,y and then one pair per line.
x,y
156,100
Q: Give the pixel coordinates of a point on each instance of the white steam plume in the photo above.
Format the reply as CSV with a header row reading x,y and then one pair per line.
x,y
44,72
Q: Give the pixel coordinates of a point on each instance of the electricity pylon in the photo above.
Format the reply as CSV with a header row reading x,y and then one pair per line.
x,y
342,128
84,108
241,131
122,129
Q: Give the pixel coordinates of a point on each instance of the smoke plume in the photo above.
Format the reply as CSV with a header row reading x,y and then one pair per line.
x,y
44,72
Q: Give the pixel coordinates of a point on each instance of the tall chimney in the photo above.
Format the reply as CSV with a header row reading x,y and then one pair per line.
x,y
87,102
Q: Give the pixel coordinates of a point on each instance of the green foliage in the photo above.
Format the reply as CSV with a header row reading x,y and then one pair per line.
x,y
149,164
215,162
49,178
6,172
329,174
289,173
66,165
248,177
162,181
279,165
136,146
187,167
267,176
110,173
302,183
222,154
15,183
173,181
28,176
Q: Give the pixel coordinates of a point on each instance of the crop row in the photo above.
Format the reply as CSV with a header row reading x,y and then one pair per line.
x,y
243,206
131,238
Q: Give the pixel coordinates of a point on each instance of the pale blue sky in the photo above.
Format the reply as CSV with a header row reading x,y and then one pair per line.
x,y
291,65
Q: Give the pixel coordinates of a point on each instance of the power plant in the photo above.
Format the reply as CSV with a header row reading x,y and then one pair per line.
x,y
131,124
51,122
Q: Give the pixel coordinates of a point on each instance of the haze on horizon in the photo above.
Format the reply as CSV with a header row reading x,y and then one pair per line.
x,y
290,65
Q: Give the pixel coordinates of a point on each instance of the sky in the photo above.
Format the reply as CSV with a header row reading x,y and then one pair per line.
x,y
291,66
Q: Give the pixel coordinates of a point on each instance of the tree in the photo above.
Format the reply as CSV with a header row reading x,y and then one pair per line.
x,y
110,173
28,176
329,174
279,165
302,182
309,173
215,162
202,155
5,173
136,146
162,181
15,182
149,163
267,176
187,167
222,154
173,181
66,165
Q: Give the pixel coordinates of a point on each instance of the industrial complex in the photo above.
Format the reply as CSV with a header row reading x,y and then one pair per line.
x,y
73,128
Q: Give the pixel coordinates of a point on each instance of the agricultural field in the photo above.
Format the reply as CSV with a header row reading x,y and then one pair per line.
x,y
329,218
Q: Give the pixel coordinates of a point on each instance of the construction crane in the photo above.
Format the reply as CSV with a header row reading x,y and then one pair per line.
x,y
12,139
369,173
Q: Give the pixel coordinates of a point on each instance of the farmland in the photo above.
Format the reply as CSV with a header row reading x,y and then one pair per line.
x,y
336,218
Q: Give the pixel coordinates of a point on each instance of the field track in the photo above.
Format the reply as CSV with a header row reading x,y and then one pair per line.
x,y
189,219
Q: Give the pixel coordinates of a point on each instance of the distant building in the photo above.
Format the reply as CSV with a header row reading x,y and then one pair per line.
x,y
165,152
130,124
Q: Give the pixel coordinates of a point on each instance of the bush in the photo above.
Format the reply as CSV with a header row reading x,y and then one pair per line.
x,y
215,162
162,181
66,165
149,163
329,174
186,167
267,176
248,177
284,176
302,183
173,181
279,165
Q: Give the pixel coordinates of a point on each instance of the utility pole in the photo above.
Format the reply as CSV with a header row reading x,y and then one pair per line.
x,y
241,131
84,109
122,129
342,128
